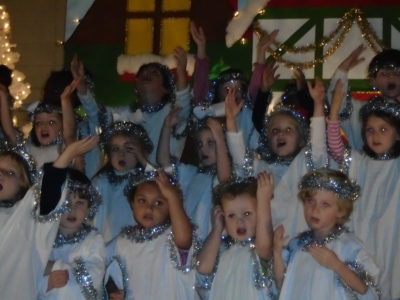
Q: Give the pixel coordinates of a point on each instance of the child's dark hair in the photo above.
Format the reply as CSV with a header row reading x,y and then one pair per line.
x,y
230,189
166,74
227,76
387,59
81,180
55,85
387,111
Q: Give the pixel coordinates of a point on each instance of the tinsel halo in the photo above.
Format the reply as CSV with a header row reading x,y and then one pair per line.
x,y
91,193
290,110
34,173
226,76
44,107
147,176
129,128
388,59
333,181
231,185
380,104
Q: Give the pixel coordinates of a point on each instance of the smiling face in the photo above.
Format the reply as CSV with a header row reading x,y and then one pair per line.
x,y
150,85
12,178
73,221
322,212
283,135
47,127
122,150
207,147
150,208
380,136
240,216
387,81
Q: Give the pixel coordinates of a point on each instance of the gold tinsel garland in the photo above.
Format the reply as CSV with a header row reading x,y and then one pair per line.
x,y
336,38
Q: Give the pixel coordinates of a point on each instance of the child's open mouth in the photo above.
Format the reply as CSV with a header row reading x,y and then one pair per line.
x,y
391,86
314,220
71,219
44,135
280,144
241,231
122,163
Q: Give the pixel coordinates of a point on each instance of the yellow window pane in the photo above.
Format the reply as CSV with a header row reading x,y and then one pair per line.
x,y
176,5
139,36
141,5
174,32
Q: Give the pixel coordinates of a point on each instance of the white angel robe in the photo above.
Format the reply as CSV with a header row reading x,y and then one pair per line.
x,y
239,275
26,244
83,257
306,279
146,264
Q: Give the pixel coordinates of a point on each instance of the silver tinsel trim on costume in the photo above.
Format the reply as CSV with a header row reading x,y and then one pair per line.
x,y
129,128
344,189
307,238
363,275
122,266
348,107
34,174
209,170
84,279
174,255
204,281
56,214
150,108
248,165
228,242
91,194
76,237
115,179
347,159
140,234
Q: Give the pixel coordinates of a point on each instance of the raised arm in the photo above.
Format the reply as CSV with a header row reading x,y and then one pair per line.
x,y
317,93
163,150
181,62
223,161
55,174
209,252
264,232
263,45
69,124
279,264
335,142
181,227
202,65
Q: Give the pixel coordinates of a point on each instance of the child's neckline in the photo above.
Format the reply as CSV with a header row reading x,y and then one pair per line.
x,y
118,177
307,238
70,239
140,234
229,241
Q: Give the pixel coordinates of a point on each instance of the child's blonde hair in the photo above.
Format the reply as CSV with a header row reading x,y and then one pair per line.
x,y
334,181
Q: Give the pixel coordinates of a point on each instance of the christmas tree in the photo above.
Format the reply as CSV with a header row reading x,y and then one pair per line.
x,y
19,89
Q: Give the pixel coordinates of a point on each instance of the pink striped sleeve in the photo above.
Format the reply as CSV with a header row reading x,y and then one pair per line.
x,y
335,142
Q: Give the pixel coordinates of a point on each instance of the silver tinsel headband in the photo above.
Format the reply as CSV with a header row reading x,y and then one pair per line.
x,y
127,128
89,192
46,108
34,174
147,176
227,76
333,181
378,104
230,186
